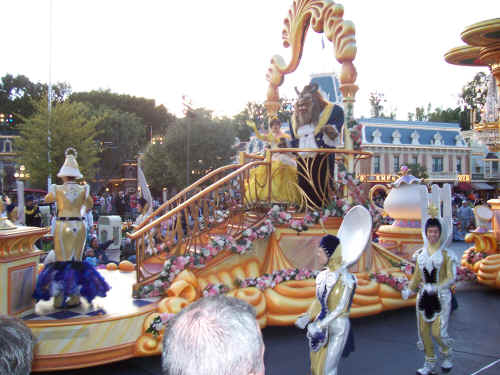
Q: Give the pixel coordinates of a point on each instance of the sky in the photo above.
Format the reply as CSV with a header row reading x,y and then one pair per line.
x,y
217,52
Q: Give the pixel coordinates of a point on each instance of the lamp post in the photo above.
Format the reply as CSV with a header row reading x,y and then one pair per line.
x,y
21,175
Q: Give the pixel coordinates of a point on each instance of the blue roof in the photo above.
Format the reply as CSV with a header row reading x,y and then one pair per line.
x,y
329,85
411,123
425,136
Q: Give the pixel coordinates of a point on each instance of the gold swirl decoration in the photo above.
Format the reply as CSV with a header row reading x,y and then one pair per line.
x,y
489,271
483,242
464,263
325,17
183,291
255,298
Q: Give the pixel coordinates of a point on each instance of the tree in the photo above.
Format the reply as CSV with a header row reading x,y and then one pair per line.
x,y
18,95
71,125
257,113
472,99
121,135
447,115
418,171
156,119
165,165
376,102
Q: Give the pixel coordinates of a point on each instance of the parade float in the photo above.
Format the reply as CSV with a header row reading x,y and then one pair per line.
x,y
482,50
233,232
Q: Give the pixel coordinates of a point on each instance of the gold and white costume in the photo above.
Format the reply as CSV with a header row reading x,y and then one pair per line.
x,y
434,275
69,234
329,330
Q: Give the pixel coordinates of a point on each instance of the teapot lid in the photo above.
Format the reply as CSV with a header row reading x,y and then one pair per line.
x,y
406,178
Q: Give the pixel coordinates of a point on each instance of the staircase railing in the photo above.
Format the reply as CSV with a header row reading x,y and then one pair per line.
x,y
187,226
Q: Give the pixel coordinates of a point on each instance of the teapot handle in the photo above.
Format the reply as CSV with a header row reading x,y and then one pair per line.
x,y
374,189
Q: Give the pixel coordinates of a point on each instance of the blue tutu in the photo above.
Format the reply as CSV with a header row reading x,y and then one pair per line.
x,y
70,278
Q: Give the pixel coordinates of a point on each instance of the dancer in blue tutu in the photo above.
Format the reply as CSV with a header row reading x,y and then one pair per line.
x,y
68,278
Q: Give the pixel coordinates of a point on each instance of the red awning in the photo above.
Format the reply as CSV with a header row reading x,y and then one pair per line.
x,y
463,187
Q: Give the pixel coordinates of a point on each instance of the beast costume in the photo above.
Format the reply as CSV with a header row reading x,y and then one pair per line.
x,y
313,169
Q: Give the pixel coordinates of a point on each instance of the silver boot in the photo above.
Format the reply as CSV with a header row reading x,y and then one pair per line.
x,y
429,367
447,364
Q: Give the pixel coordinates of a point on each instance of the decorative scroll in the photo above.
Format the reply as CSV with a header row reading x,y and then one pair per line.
x,y
325,17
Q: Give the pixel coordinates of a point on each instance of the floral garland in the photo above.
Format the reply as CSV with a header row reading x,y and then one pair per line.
x,y
214,290
398,283
278,215
356,130
159,323
279,276
475,256
465,274
178,263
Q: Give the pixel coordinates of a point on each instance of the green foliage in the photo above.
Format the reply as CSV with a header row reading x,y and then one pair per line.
x,y
447,115
474,93
71,125
257,113
376,103
121,135
418,171
210,146
18,95
156,119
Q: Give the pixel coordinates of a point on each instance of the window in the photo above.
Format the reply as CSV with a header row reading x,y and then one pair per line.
x,y
376,164
396,164
414,159
459,165
8,146
437,164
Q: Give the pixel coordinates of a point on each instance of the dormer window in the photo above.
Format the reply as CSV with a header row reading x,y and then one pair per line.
x,y
438,139
377,136
415,138
396,137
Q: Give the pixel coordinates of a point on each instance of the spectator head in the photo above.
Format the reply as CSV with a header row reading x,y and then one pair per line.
x,y
214,336
16,347
29,200
94,243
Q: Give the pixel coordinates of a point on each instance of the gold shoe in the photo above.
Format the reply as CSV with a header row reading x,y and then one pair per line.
x,y
73,300
58,301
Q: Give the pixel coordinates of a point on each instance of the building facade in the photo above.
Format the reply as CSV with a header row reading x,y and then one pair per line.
x,y
438,147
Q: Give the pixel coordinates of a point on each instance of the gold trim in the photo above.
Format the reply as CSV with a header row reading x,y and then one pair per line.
x,y
87,321
89,358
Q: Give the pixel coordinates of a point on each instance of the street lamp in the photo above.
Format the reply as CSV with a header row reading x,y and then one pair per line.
x,y
21,175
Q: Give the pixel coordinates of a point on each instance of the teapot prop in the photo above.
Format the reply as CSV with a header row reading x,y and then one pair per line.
x,y
403,199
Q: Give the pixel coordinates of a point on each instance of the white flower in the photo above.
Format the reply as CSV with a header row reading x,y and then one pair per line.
x,y
157,284
163,274
276,208
327,212
247,233
205,252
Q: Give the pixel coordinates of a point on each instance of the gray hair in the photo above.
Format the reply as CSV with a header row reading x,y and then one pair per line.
x,y
213,336
16,347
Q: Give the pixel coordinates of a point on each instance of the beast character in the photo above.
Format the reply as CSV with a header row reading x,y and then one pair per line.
x,y
316,123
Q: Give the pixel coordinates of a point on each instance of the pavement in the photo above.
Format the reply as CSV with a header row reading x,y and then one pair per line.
x,y
385,343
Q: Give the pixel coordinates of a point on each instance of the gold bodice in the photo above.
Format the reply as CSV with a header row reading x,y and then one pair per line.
x,y
70,197
334,299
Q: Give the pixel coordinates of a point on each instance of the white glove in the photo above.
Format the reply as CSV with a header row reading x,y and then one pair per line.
x,y
303,320
405,293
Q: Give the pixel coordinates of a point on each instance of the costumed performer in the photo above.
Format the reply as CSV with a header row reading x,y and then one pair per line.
x,y
316,123
330,329
283,169
68,277
434,275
